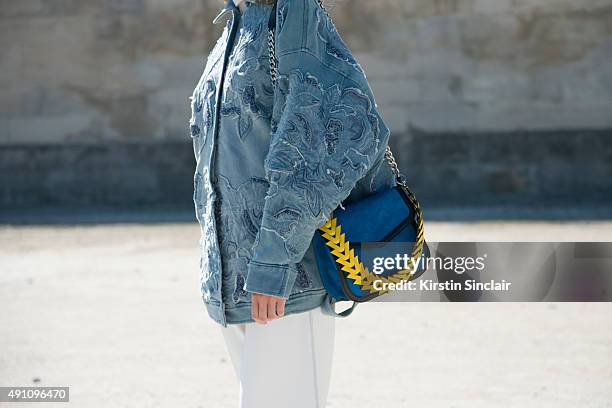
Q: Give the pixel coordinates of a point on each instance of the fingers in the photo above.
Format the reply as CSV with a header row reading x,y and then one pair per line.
x,y
266,308
272,310
280,308
256,300
263,310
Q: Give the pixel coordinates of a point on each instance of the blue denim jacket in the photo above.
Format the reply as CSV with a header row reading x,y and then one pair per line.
x,y
273,163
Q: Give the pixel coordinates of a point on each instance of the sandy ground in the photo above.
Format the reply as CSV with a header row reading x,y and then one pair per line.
x,y
114,312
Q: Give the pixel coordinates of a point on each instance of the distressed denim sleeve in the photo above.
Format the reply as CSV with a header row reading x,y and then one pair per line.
x,y
326,135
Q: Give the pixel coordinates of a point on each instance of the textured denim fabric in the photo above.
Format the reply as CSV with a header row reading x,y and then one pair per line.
x,y
273,163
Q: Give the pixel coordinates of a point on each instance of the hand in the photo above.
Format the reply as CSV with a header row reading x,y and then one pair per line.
x,y
265,308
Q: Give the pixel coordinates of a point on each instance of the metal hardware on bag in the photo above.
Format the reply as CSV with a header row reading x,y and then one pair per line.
x,y
272,57
399,177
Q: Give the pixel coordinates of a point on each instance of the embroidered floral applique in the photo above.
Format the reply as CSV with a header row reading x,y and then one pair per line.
x,y
302,279
202,106
328,136
250,96
196,108
326,140
239,219
248,92
204,198
281,16
249,40
239,293
334,44
210,90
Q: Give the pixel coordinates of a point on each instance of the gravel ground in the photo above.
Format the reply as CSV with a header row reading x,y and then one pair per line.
x,y
114,312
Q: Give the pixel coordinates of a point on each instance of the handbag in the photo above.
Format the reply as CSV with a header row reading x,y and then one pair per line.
x,y
390,216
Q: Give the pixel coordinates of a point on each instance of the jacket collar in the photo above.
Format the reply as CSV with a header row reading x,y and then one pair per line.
x,y
230,6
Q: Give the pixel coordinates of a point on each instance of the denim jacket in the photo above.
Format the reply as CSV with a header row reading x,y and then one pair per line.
x,y
272,163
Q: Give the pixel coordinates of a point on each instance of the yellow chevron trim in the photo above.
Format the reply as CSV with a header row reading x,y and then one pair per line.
x,y
345,256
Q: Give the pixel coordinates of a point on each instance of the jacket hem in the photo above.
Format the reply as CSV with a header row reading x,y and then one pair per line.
x,y
297,303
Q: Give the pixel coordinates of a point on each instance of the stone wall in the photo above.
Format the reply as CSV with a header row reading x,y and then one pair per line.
x,y
99,70
80,75
486,64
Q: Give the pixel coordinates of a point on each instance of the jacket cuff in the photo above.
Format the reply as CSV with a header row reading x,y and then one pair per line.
x,y
270,279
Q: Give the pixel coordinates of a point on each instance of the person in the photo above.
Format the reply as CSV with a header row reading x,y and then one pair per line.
x,y
273,160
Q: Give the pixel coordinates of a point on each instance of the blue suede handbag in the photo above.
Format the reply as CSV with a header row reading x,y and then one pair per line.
x,y
390,216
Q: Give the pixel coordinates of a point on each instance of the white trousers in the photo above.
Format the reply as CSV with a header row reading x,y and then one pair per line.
x,y
284,363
